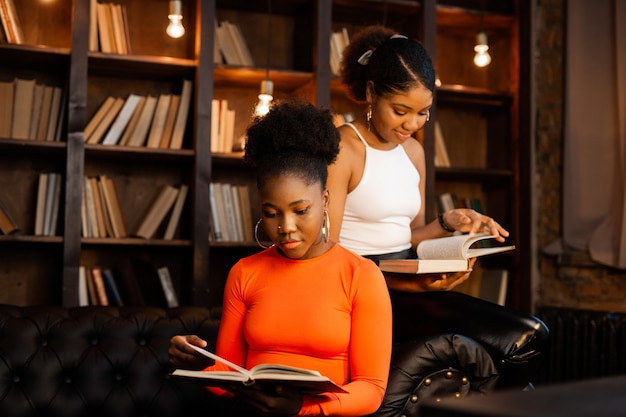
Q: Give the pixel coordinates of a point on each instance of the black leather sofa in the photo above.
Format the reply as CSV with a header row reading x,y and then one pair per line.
x,y
112,361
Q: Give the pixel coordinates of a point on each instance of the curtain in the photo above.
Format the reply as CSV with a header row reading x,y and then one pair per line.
x,y
594,164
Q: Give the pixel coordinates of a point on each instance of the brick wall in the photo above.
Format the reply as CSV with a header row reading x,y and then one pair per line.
x,y
571,281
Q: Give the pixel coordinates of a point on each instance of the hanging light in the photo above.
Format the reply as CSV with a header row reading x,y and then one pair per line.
x,y
265,98
175,28
482,57
266,95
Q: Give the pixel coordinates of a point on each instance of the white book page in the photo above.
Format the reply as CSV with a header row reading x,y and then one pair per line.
x,y
453,247
448,248
220,359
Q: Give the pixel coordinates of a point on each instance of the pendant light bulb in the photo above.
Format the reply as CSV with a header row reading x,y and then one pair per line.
x,y
265,98
175,28
482,57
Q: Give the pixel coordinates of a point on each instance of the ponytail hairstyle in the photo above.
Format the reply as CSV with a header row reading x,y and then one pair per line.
x,y
393,63
294,138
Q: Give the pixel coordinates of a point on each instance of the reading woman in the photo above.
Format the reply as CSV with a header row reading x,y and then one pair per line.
x,y
377,184
305,301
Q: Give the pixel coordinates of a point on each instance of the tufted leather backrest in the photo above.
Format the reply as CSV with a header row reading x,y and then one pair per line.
x,y
97,361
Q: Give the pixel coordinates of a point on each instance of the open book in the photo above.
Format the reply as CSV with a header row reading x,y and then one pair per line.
x,y
446,254
270,374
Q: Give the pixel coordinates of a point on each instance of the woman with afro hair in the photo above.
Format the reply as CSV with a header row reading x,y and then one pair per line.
x,y
305,301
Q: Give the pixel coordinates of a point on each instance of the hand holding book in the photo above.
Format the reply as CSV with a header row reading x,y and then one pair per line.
x,y
181,355
427,281
442,255
305,380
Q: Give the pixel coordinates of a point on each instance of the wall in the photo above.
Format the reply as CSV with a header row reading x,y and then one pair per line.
x,y
570,280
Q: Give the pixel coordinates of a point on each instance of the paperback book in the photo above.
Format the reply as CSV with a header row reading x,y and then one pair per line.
x,y
446,254
306,380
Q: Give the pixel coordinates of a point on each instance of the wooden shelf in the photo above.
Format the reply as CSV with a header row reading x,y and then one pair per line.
x,y
140,65
29,239
251,77
473,174
135,242
463,94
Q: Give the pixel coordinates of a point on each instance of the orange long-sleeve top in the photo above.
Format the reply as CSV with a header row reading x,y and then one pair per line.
x,y
331,313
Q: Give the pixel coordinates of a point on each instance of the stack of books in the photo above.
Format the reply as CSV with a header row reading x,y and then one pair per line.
x,y
222,126
338,42
109,28
157,122
231,215
232,45
30,110
132,283
101,212
48,202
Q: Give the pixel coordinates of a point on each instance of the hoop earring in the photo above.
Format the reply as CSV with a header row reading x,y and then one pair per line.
x,y
256,235
427,115
368,117
326,227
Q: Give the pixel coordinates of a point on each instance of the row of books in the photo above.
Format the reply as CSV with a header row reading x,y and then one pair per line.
x,y
102,214
30,110
150,121
338,42
10,22
222,126
48,202
231,213
100,209
109,28
134,282
170,200
232,45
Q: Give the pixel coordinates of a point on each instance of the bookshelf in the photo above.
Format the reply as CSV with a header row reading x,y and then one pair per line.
x,y
45,269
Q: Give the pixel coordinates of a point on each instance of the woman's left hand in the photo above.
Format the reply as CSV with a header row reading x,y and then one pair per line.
x,y
428,282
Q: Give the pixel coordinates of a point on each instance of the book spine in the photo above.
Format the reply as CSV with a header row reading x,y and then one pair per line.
x,y
168,286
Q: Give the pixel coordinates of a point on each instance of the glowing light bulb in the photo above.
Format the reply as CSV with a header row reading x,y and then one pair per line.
x,y
482,57
175,28
265,98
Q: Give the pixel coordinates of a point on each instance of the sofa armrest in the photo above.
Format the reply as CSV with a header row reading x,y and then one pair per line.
x,y
515,340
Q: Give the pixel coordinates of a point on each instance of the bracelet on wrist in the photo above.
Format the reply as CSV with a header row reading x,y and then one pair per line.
x,y
443,224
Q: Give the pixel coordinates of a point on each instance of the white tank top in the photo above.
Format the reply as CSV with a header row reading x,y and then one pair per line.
x,y
378,212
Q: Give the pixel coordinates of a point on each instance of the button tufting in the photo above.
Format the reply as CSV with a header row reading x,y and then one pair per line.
x,y
67,380
142,342
428,381
119,377
448,375
457,394
93,341
16,379
464,381
44,343
414,399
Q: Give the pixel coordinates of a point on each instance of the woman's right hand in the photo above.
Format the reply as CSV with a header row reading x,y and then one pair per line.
x,y
181,356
